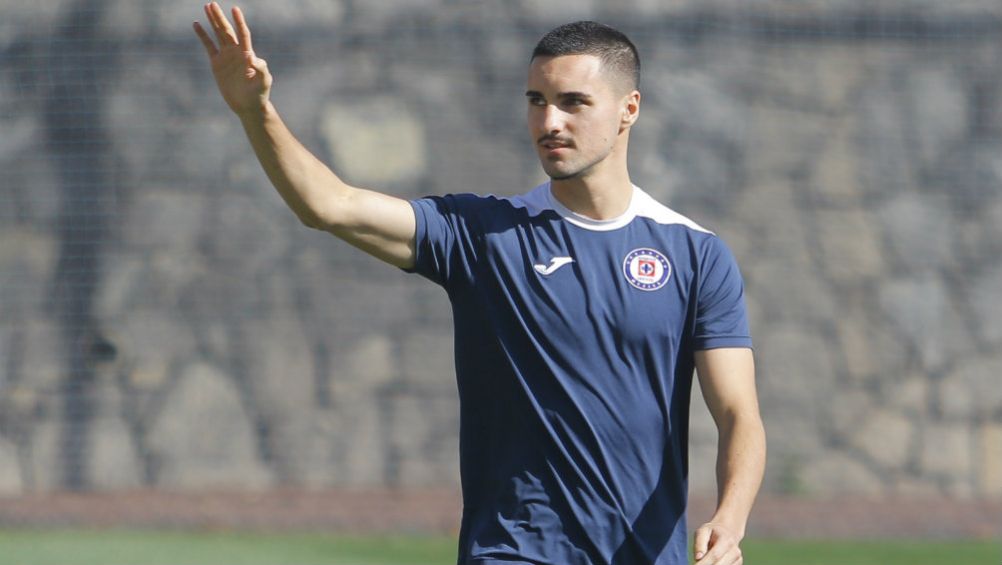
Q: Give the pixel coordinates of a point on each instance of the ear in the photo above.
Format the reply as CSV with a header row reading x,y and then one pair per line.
x,y
629,109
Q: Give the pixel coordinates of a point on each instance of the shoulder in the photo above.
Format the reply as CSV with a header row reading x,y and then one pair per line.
x,y
705,246
534,202
475,213
645,206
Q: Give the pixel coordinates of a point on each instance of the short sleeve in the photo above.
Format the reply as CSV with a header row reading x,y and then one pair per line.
x,y
721,318
446,238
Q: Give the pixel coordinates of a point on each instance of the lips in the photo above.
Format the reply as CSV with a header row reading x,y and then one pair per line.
x,y
554,146
554,142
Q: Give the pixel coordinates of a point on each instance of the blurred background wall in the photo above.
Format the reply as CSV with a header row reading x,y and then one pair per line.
x,y
166,322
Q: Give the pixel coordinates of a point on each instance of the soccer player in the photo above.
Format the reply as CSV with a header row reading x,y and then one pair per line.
x,y
581,310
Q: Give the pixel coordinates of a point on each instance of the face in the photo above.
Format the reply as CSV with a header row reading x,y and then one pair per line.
x,y
576,115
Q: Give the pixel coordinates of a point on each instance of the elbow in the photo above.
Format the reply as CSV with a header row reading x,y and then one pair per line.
x,y
309,220
312,219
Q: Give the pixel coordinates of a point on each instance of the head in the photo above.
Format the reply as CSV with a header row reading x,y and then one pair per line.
x,y
583,98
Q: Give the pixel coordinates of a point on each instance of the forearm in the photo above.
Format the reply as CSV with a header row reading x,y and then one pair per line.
x,y
304,182
740,466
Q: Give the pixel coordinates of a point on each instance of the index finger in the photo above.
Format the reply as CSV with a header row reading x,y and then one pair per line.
x,y
243,32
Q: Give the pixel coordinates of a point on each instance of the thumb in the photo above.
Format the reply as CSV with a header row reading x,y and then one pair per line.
x,y
701,541
257,66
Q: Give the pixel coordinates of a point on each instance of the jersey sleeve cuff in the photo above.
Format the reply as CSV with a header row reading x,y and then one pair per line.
x,y
719,342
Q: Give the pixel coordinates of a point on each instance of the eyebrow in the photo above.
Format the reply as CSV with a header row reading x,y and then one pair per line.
x,y
572,94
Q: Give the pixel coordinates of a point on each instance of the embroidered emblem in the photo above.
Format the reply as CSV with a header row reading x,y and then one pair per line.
x,y
646,269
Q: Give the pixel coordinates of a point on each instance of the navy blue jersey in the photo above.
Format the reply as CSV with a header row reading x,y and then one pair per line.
x,y
574,360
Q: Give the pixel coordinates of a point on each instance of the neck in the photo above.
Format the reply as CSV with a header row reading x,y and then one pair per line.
x,y
603,193
595,200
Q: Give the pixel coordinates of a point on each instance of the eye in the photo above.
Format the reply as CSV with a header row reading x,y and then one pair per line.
x,y
536,101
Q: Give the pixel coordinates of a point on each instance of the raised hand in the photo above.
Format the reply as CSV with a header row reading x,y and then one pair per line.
x,y
242,77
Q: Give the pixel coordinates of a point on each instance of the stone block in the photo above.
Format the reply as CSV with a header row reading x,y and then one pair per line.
x,y
289,16
346,446
789,292
835,178
911,396
915,487
148,341
768,213
886,437
427,360
247,239
907,220
702,428
871,348
281,378
984,303
43,355
126,20
922,311
380,15
20,16
989,446
556,12
202,436
423,440
702,445
161,219
124,280
113,462
972,389
279,365
796,381
11,481
376,140
947,450
817,77
21,133
834,473
940,111
30,168
46,468
782,141
27,261
851,247
844,411
702,469
368,365
883,148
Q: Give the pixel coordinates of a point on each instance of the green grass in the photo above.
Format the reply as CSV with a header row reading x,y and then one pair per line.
x,y
871,552
184,548
56,547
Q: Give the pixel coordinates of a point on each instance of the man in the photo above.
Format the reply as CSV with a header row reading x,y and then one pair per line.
x,y
581,309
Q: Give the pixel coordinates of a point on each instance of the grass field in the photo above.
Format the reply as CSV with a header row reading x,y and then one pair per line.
x,y
28,547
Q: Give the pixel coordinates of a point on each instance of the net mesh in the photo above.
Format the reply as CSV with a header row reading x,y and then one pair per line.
x,y
165,321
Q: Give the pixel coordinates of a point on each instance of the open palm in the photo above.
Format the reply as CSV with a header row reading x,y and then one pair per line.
x,y
242,77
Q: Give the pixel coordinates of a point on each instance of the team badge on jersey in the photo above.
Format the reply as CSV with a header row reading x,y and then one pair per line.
x,y
646,269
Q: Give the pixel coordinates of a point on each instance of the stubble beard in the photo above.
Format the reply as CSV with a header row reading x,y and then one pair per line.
x,y
581,172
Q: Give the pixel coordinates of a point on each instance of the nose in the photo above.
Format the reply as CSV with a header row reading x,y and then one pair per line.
x,y
553,119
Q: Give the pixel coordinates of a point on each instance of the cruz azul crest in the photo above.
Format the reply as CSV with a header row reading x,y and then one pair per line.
x,y
646,269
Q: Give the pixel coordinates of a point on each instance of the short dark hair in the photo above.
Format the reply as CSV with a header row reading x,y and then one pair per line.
x,y
615,50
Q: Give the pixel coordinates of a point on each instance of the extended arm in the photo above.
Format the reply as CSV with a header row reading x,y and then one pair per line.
x,y
727,379
379,224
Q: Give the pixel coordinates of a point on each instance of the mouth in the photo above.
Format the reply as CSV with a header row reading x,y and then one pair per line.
x,y
554,145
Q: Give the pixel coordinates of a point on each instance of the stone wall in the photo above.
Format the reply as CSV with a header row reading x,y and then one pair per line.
x,y
165,321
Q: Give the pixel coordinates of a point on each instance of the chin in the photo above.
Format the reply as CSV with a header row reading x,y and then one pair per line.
x,y
556,173
563,176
